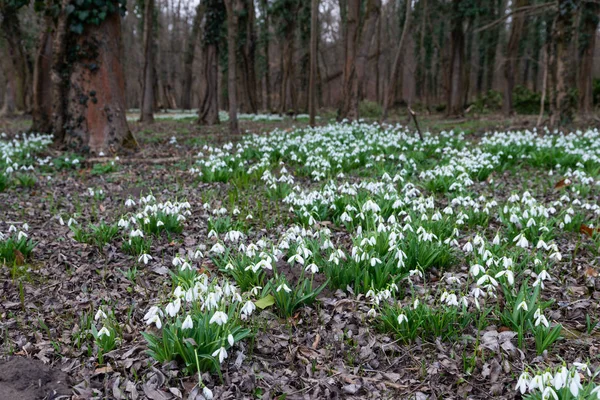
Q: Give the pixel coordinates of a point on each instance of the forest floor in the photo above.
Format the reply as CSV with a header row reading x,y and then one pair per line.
x,y
361,203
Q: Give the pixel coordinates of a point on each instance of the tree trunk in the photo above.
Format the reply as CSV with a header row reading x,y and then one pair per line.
x,y
454,94
147,109
389,96
188,59
510,62
367,36
590,19
11,30
312,86
287,79
565,102
233,7
246,63
208,111
348,108
42,81
89,106
265,34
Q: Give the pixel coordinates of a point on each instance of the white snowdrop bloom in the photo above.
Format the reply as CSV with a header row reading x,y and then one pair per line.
x,y
372,313
230,339
521,241
248,309
155,319
103,332
523,382
284,287
219,318
173,308
100,314
560,378
523,306
468,247
177,261
144,258
187,323
402,318
129,202
207,393
22,235
476,269
575,383
217,249
312,268
221,354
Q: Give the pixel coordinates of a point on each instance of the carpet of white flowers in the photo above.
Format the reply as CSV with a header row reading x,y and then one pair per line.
x,y
343,261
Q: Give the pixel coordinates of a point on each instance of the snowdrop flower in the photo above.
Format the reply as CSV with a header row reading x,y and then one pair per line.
x,y
523,382
575,384
247,309
540,319
100,314
402,318
312,268
207,393
284,287
468,247
230,339
187,323
103,332
219,318
145,258
521,241
217,249
129,202
522,306
560,379
154,320
548,391
372,313
173,308
476,269
221,353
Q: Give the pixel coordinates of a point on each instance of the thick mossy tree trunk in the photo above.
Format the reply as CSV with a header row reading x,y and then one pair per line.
x,y
89,87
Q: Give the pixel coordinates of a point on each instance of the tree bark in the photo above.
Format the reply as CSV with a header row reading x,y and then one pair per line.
x,y
454,94
264,5
89,92
348,108
42,81
11,30
590,20
389,96
208,111
232,7
312,86
563,112
188,59
246,64
147,109
510,62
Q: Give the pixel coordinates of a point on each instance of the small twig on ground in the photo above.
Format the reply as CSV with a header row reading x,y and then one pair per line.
x,y
414,117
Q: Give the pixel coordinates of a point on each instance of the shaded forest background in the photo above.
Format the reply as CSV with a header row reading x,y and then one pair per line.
x,y
452,57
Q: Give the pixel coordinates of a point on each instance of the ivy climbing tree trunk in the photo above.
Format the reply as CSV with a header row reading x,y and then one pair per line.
x,y
188,58
147,109
89,87
232,7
